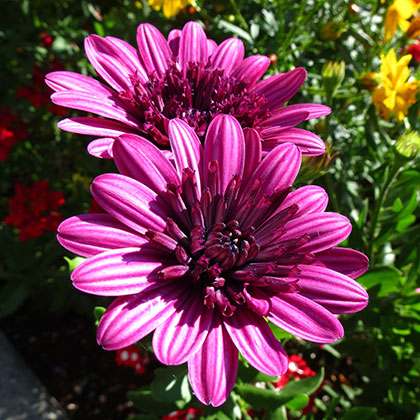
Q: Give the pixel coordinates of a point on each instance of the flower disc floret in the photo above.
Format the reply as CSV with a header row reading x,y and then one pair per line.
x,y
202,249
188,77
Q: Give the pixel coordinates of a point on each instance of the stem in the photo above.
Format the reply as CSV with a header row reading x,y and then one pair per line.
x,y
239,15
390,176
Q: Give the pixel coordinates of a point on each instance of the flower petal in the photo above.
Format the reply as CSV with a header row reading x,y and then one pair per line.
x,y
228,55
252,69
344,260
334,291
120,272
186,147
93,126
315,110
101,148
174,37
182,335
109,108
130,318
288,116
310,199
139,159
309,143
277,170
253,152
304,318
91,234
278,89
154,51
213,368
256,342
225,144
130,202
324,231
192,45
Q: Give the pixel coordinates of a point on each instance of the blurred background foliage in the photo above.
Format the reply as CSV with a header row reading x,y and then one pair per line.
x,y
374,372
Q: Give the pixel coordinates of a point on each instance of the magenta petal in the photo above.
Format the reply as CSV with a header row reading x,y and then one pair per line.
x,y
225,144
181,336
130,202
139,159
228,55
129,55
93,126
101,148
310,199
192,45
186,148
334,291
254,339
105,59
91,234
314,110
130,318
252,69
62,81
287,116
213,368
211,47
278,169
86,102
119,272
344,260
278,89
305,319
253,152
174,37
309,143
324,230
154,51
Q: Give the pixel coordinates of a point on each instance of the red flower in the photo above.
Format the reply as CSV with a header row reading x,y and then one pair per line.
x,y
10,132
130,356
414,50
191,413
46,40
34,210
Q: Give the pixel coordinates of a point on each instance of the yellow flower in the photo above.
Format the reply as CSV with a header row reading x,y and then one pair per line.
x,y
395,94
170,8
398,14
414,29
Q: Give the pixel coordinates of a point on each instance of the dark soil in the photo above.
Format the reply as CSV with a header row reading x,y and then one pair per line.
x,y
83,377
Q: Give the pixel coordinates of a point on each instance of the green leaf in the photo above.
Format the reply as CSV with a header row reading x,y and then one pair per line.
x,y
143,400
236,30
171,384
298,402
74,262
98,311
387,278
359,413
260,398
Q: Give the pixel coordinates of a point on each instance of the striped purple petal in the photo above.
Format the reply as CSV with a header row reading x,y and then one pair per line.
x,y
254,339
183,334
120,272
192,45
228,55
212,369
304,318
130,318
101,148
91,234
252,69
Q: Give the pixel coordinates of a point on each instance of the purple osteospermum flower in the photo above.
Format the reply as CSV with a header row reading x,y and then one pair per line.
x,y
189,77
201,250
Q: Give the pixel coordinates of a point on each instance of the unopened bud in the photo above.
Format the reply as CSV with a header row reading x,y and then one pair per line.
x,y
333,73
331,31
408,145
369,81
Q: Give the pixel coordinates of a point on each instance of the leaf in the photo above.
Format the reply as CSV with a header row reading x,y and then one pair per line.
x,y
98,311
74,262
230,27
298,402
387,278
359,413
260,398
144,400
171,384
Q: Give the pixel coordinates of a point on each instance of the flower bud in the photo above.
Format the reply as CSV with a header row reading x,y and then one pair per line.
x,y
331,31
407,146
333,73
369,81
413,30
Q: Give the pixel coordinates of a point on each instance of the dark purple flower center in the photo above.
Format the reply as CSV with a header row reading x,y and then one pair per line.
x,y
196,97
217,252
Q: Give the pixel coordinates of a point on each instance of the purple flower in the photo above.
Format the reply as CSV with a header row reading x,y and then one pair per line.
x,y
203,249
189,77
